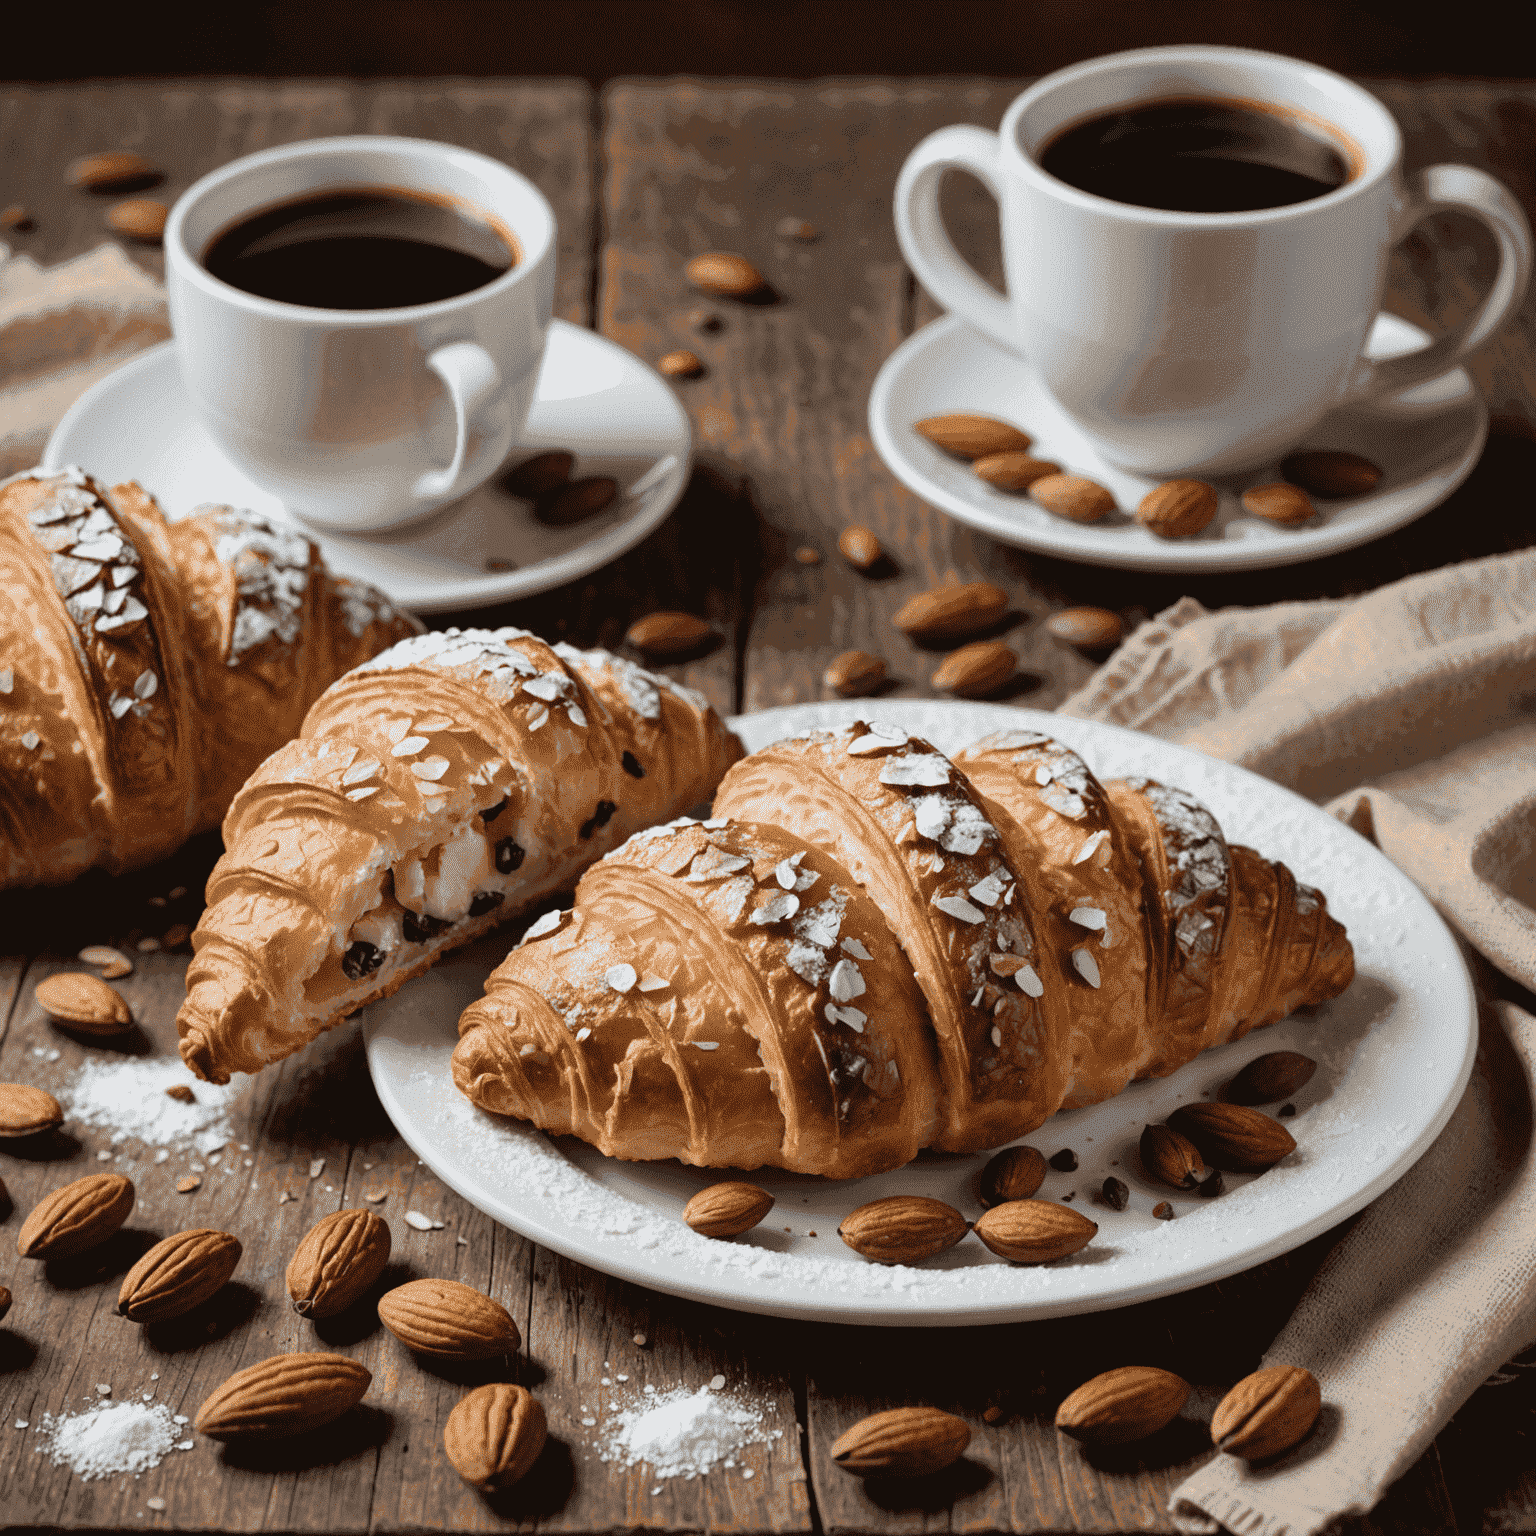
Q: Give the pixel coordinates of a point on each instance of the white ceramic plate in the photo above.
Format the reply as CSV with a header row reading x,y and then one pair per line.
x,y
614,413
1427,441
1394,1054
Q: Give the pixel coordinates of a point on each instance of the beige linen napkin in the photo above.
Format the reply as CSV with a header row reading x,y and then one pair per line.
x,y
61,329
1411,713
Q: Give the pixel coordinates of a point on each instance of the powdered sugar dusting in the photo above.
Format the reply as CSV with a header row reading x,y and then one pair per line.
x,y
678,1433
127,1097
109,1438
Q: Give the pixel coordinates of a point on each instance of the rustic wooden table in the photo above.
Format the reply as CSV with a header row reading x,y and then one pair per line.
x,y
642,177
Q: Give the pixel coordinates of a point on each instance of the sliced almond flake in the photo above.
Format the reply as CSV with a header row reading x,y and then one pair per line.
x,y
104,954
998,1006
878,740
1029,981
1104,940
894,1071
1091,846
546,924
652,984
936,864
430,768
932,817
397,729
547,686
363,793
1006,965
360,771
959,907
527,1049
145,684
997,1034
408,747
30,740
133,612
856,949
7,680
375,1195
422,1223
436,723
716,822
1043,775
1086,966
317,1167
123,574
707,1045
1088,917
107,547
620,977
977,996
119,704
776,909
537,716
845,982
852,1017
925,769
575,714
805,880
1008,896
787,871
714,863
583,1033
988,891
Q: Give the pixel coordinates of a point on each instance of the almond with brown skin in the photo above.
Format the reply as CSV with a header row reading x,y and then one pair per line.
x,y
543,473
5,1300
1074,497
902,1442
283,1395
1268,1079
727,1209
967,435
1035,1231
1122,1405
180,1272
976,670
953,612
1233,1137
1091,629
1170,1158
84,1002
112,171
77,1217
725,273
854,674
1015,1173
139,218
448,1321
337,1262
681,364
1015,471
1178,509
668,634
25,1110
902,1229
494,1435
17,217
574,502
1267,1413
1287,505
859,547
1331,474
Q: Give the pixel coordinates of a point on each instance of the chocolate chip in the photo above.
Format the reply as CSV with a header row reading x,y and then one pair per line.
x,y
1163,1211
599,818
631,765
1116,1195
485,901
1069,1195
1065,1161
1213,1186
509,855
419,927
1287,1110
361,960
489,816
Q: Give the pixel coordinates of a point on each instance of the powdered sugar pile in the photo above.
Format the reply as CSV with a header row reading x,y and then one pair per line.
x,y
127,1097
679,1433
109,1438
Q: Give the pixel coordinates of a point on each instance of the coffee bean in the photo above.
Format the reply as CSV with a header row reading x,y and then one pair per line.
x,y
1163,1211
1116,1195
1065,1161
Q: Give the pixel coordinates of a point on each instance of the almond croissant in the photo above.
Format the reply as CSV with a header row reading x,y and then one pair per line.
x,y
871,949
149,666
435,791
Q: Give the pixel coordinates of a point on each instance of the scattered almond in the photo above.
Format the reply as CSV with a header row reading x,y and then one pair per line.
x,y
1178,509
1074,497
1015,1173
114,962
705,320
494,1435
681,364
1233,1137
576,501
25,1110
967,435
953,612
538,476
859,547
180,1272
86,1002
1122,1405
112,171
1267,1413
727,1209
337,1261
976,670
1091,629
1267,1079
724,272
1013,471
187,1183
791,228
854,674
902,1229
1331,474
17,218
1035,1231
1288,505
1170,1158
1116,1193
77,1217
448,1321
902,1442
139,218
668,634
1163,1211
806,555
176,935
181,1093
283,1395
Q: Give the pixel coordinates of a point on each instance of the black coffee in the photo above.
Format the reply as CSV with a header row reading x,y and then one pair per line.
x,y
360,248
1197,156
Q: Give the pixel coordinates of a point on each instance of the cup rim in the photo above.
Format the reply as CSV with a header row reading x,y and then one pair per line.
x,y
535,245
1357,186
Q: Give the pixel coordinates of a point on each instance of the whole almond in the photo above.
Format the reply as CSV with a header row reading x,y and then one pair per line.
x,y
448,1321
283,1395
859,547
1177,509
1267,1079
1233,1137
574,502
854,674
25,1110
113,962
1122,1405
1092,629
1035,1231
494,1435
902,1229
77,1217
1288,505
17,216
791,228
1073,496
724,272
953,612
1013,471
976,670
668,634
337,1262
902,1442
727,1209
180,1272
84,1001
1170,1158
681,364
112,171
1267,1413
1015,1173
1331,474
139,218
538,476
967,435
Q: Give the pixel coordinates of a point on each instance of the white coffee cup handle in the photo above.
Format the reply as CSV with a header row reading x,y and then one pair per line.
x,y
929,251
483,426
1471,191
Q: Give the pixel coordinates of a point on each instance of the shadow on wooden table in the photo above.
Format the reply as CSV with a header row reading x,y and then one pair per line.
x,y
359,1430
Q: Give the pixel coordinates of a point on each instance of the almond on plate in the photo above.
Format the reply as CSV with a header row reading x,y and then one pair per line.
x,y
446,1320
1178,509
77,1217
1288,505
283,1395
1170,1158
180,1272
955,611
901,1229
1034,1231
1013,471
967,435
1271,1077
494,1435
1233,1137
537,476
1331,473
1074,497
1015,1173
902,1442
337,1262
576,501
727,1209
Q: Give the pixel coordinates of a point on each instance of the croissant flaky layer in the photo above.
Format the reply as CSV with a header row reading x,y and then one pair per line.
x,y
438,790
873,949
149,666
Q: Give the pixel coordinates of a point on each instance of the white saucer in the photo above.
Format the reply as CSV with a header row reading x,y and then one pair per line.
x,y
1427,441
1394,1053
602,403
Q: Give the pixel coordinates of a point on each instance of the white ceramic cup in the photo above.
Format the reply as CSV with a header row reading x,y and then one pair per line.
x,y
361,420
1203,342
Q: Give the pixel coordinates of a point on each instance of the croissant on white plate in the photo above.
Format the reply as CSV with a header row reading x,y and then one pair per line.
x,y
434,792
871,948
146,667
